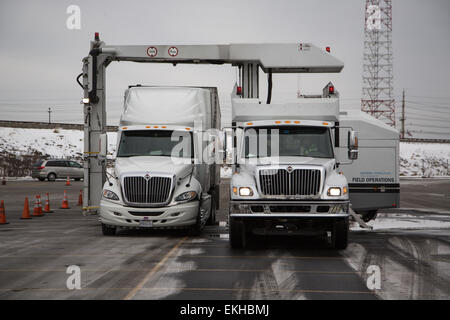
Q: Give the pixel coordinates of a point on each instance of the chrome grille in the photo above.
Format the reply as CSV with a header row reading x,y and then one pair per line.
x,y
299,182
155,190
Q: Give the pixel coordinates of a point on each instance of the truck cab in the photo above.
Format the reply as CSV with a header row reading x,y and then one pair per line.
x,y
287,179
160,179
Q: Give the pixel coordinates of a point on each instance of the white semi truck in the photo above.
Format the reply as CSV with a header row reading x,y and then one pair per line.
x,y
367,183
161,178
297,170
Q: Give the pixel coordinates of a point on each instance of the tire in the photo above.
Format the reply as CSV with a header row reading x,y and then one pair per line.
x,y
236,230
369,215
77,179
51,176
212,216
197,228
41,179
108,230
340,234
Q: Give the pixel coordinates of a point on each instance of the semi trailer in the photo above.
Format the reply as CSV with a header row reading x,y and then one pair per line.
x,y
161,178
300,167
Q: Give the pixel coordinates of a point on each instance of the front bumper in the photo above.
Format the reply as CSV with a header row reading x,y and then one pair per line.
x,y
289,209
181,215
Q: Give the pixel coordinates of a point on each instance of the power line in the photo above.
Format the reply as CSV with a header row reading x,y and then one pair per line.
x,y
430,126
428,119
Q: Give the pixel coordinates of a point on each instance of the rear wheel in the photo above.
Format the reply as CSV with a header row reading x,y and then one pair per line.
x,y
340,234
108,230
77,179
236,230
51,177
369,215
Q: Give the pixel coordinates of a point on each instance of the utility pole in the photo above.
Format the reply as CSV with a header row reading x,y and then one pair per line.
x,y
49,111
402,132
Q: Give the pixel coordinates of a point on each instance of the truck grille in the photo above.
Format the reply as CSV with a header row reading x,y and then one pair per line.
x,y
299,182
155,190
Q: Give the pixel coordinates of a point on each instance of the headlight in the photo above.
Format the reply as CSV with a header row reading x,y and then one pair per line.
x,y
186,196
245,192
334,191
108,194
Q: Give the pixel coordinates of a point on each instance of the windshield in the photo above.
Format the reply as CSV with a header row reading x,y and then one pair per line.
x,y
293,141
155,143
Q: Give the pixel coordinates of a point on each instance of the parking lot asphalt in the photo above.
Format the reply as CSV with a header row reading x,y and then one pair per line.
x,y
146,264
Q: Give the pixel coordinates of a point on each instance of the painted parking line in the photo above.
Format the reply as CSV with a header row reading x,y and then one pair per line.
x,y
263,257
195,289
155,269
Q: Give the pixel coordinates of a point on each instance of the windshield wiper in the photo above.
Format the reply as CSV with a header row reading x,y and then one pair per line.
x,y
129,155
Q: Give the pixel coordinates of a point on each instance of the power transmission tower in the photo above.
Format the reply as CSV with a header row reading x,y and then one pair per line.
x,y
377,89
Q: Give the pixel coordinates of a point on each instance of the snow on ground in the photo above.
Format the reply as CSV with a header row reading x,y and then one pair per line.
x,y
424,159
56,143
416,159
406,221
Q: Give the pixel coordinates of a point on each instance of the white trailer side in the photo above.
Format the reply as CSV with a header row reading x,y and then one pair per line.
x,y
373,178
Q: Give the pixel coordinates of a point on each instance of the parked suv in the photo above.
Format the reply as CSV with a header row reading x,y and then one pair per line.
x,y
53,169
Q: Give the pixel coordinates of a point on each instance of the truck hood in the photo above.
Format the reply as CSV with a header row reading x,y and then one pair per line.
x,y
151,165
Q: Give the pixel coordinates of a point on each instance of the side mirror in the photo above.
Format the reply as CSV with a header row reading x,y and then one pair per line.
x,y
103,145
227,142
352,145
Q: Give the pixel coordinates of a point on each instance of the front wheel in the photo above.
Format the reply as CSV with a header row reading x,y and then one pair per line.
x,y
51,177
340,234
108,230
236,230
212,215
197,228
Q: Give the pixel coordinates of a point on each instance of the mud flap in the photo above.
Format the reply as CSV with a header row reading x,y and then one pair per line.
x,y
358,219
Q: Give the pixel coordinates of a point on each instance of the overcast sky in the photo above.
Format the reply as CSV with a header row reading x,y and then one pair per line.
x,y
40,57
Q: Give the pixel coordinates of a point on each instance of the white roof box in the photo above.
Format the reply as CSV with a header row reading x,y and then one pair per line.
x,y
166,105
323,109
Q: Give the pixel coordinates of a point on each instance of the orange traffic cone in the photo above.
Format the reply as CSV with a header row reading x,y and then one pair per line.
x,y
37,210
26,210
80,198
65,203
68,181
2,213
47,205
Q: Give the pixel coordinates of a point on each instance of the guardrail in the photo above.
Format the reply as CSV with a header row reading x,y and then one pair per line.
x,y
425,140
46,125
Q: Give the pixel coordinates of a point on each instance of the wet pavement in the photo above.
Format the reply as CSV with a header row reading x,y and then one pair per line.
x,y
143,264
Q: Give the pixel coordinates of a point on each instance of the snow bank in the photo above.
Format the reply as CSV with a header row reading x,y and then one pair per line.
x,y
424,159
54,143
416,159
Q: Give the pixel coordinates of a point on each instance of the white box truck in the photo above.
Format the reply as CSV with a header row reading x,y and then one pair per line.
x,y
161,178
297,169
